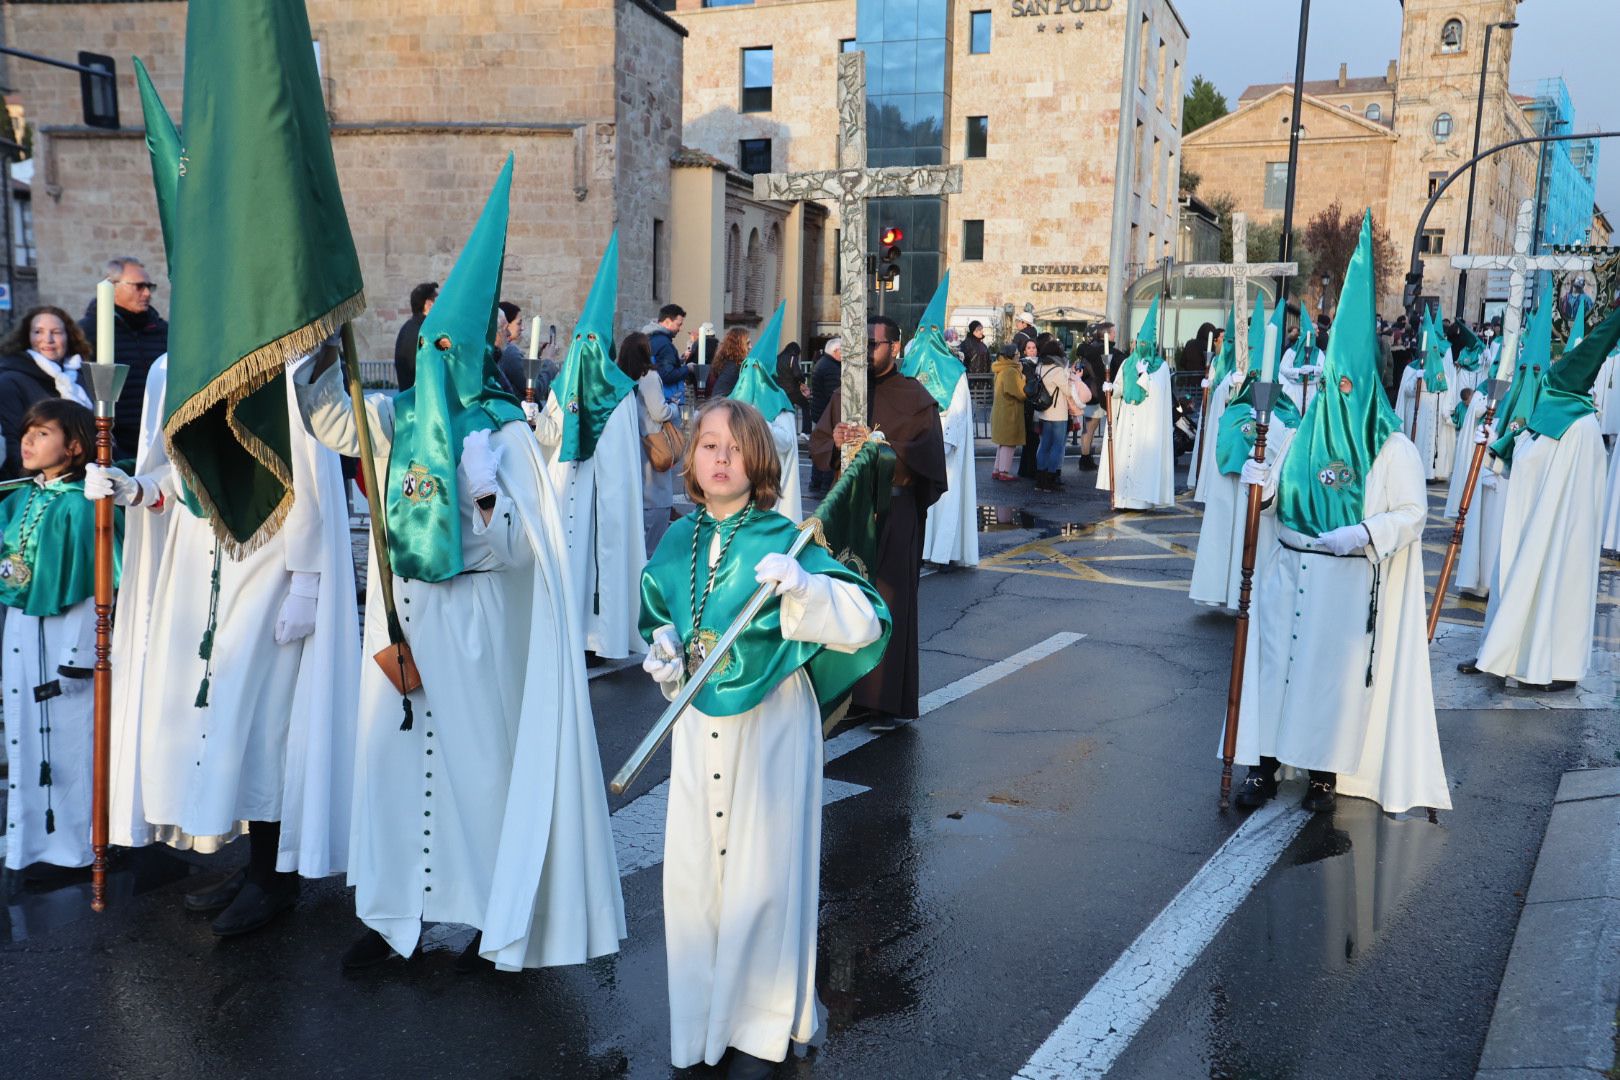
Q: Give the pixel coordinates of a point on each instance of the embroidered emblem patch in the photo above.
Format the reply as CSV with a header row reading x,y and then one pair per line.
x,y
1335,474
854,562
419,485
573,407
1345,385
1249,430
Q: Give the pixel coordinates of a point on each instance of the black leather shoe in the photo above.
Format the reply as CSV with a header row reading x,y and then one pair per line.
x,y
372,949
256,906
1259,787
216,897
1322,793
1468,667
748,1067
469,962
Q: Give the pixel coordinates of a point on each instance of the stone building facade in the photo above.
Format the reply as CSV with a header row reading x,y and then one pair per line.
x,y
1063,114
1386,142
426,99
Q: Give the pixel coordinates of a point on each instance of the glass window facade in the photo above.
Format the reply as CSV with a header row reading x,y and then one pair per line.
x,y
907,45
980,38
754,155
757,76
972,240
978,136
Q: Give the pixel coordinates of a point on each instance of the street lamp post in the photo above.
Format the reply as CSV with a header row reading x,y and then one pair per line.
x,y
1473,174
1286,244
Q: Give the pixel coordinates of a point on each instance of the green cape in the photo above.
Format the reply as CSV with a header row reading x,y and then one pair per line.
x,y
63,529
590,385
928,359
756,380
1568,393
1434,357
1471,349
458,391
761,658
1147,349
1324,475
1529,377
1234,443
264,266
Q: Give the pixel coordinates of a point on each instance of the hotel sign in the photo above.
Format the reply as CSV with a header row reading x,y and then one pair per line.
x,y
1049,8
1065,270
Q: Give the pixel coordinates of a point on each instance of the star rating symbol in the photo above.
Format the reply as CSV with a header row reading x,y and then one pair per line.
x,y
1040,28
1060,28
1079,24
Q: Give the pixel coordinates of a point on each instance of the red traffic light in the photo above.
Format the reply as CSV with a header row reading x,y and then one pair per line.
x,y
892,236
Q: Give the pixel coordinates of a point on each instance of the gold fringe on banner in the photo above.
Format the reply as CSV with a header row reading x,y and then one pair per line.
x,y
245,377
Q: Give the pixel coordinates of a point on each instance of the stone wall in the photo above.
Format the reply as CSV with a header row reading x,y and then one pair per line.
x,y
427,97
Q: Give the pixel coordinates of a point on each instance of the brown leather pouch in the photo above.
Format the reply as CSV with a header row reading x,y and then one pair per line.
x,y
398,664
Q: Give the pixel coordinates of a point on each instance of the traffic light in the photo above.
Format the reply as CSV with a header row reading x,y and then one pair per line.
x,y
99,93
888,275
1409,295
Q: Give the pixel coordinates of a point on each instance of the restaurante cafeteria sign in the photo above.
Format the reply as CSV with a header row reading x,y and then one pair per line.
x,y
1065,270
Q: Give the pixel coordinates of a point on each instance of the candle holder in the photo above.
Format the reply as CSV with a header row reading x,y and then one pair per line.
x,y
106,384
531,376
1265,399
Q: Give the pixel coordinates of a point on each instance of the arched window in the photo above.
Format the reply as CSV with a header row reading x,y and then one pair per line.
x,y
734,263
1442,127
752,276
1451,36
773,261
1375,113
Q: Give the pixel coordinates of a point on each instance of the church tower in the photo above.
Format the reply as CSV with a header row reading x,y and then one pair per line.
x,y
1443,60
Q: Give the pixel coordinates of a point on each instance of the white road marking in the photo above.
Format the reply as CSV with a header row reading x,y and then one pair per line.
x,y
638,826
1092,1037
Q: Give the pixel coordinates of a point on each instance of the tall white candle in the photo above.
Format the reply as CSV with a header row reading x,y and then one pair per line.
x,y
1108,345
1423,346
534,337
1268,368
104,322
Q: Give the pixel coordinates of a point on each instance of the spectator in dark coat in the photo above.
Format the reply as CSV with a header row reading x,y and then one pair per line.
x,y
975,353
824,380
727,363
672,367
140,336
790,376
422,298
40,359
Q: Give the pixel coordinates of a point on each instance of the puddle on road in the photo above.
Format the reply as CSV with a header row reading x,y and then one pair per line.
x,y
30,909
993,519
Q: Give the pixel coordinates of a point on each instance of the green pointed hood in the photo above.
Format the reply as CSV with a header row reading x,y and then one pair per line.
x,y
1147,350
1468,350
1306,348
163,144
1529,377
590,385
928,359
1257,336
1226,359
1324,475
458,391
1235,439
756,380
1568,394
1434,357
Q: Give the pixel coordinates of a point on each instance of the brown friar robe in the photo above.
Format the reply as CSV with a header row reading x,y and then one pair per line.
x,y
908,416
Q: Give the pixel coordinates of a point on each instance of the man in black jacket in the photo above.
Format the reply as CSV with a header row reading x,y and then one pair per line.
x,y
140,336
422,298
824,380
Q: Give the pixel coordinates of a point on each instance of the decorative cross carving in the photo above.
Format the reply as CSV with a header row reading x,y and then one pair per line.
x,y
849,186
1520,264
1240,271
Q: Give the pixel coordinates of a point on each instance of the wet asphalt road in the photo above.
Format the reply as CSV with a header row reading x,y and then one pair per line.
x,y
1011,846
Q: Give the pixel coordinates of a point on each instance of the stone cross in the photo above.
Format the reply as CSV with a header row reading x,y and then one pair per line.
x,y
1520,264
849,186
1240,271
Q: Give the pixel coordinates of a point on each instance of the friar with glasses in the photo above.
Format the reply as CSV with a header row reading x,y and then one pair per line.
x,y
907,415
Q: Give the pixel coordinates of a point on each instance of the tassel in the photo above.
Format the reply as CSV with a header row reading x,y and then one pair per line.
x,y
45,774
406,726
202,695
205,650
50,820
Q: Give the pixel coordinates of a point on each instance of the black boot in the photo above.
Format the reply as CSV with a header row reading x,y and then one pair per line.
x,y
265,893
748,1067
1259,786
1088,463
1469,667
372,949
1322,793
216,897
469,962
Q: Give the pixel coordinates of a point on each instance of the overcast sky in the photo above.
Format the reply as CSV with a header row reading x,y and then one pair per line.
x,y
1573,38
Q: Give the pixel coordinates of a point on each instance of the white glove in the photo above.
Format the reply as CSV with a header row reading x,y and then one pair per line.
x,y
479,464
1488,479
1108,388
1203,384
531,411
109,481
296,619
788,577
1346,540
1255,472
663,661
1482,435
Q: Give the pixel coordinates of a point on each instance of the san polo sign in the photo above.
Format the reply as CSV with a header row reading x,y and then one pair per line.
x,y
1055,8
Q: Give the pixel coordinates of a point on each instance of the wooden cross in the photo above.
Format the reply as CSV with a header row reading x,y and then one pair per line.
x,y
849,186
1240,271
1520,264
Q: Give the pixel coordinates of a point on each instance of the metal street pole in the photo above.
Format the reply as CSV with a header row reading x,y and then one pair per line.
x,y
1473,174
1285,247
